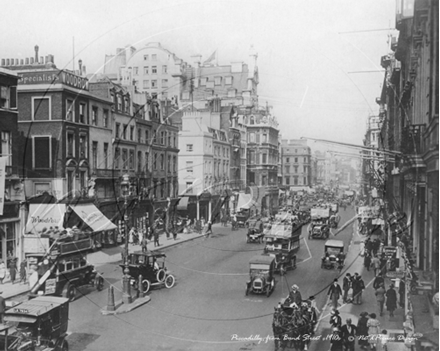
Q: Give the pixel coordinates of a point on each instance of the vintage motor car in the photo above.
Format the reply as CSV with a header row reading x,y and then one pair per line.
x,y
65,269
282,243
261,272
319,227
334,256
39,324
242,217
255,231
151,265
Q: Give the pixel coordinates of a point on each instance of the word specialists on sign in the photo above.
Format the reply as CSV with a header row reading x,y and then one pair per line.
x,y
54,77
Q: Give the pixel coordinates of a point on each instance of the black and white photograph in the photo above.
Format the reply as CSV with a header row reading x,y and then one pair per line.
x,y
225,175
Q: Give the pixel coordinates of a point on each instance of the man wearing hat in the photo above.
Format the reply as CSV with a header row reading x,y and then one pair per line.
x,y
295,295
335,319
348,331
335,292
346,286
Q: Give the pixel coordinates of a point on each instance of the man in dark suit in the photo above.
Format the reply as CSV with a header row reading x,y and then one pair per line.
x,y
346,286
335,292
348,335
2,307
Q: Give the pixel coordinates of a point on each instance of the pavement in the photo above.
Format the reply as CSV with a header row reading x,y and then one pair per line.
x,y
104,256
393,325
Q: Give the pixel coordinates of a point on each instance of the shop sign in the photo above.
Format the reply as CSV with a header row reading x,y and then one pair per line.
x,y
390,252
35,244
54,77
50,286
395,275
44,216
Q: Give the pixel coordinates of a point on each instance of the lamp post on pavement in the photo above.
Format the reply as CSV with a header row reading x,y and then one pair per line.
x,y
125,189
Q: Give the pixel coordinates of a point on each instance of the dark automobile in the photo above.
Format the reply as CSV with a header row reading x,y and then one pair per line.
x,y
242,217
151,265
261,271
255,231
39,324
334,256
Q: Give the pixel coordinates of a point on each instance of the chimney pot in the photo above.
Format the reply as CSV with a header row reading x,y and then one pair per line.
x,y
11,62
7,62
3,62
51,58
16,62
46,59
36,53
21,62
41,59
27,60
31,60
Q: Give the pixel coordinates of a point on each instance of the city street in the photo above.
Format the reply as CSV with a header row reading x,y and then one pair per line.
x,y
207,308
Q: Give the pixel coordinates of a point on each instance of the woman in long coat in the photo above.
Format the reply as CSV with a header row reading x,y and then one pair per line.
x,y
362,330
391,300
373,330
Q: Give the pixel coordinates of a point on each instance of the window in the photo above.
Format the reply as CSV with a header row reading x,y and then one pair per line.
x,y
287,159
296,159
305,169
169,164
155,161
189,147
95,155
82,113
42,152
119,101
117,157
252,157
70,114
105,118
132,133
139,161
185,95
135,71
189,189
264,138
252,120
295,169
154,136
287,169
147,161
146,84
162,162
295,180
146,70
147,137
139,137
154,84
305,181
94,116
154,57
41,109
153,69
126,105
117,131
228,80
264,180
164,69
189,166
145,57
131,160
218,81
6,147
162,138
169,139
124,131
287,182
174,163
83,146
124,158
252,137
164,83
105,155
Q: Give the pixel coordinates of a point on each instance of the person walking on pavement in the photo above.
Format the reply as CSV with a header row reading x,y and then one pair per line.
x,y
208,229
2,271
156,237
348,331
144,243
402,293
362,330
380,298
373,331
391,300
334,293
335,319
378,281
346,286
23,266
358,287
375,264
336,343
367,262
2,307
12,268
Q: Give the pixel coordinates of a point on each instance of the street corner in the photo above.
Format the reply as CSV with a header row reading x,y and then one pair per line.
x,y
121,308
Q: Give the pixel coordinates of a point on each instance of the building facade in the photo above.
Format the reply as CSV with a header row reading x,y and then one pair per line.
x,y
296,163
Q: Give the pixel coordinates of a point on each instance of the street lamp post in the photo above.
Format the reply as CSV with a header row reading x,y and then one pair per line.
x,y
126,294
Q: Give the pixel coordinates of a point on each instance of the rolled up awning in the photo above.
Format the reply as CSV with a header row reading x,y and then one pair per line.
x,y
183,203
93,217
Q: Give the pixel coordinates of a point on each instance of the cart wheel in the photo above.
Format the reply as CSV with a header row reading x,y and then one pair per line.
x,y
161,275
99,282
170,281
63,346
146,284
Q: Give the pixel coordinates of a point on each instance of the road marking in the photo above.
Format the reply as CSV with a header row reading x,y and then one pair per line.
x,y
253,300
310,254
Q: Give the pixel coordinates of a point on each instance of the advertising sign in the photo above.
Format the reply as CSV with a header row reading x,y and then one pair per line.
x,y
54,76
44,216
50,286
35,244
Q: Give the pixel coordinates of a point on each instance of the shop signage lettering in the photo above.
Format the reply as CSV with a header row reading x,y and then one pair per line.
x,y
50,286
54,77
75,81
38,219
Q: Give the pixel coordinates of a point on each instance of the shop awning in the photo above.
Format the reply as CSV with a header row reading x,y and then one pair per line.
x,y
44,216
93,217
183,203
245,201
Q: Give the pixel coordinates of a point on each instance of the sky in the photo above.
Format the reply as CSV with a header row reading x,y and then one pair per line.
x,y
308,64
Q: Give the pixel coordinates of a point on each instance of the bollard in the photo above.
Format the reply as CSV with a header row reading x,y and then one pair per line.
x,y
111,299
140,287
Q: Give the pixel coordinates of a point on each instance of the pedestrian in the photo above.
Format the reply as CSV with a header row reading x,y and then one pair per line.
x,y
378,281
380,298
23,266
2,271
358,287
391,300
367,261
368,246
335,319
33,277
383,264
362,330
144,243
2,307
375,246
131,236
346,286
123,256
295,295
336,340
402,293
208,229
348,331
334,293
375,264
156,237
384,339
174,231
12,268
373,331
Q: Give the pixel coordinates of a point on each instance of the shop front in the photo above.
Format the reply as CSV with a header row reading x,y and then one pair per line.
x,y
9,227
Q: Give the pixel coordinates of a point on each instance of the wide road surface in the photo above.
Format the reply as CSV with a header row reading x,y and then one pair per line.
x,y
207,309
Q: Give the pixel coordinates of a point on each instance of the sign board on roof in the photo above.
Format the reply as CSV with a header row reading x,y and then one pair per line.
x,y
54,76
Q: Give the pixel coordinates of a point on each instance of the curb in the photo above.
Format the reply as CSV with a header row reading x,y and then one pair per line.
x,y
126,308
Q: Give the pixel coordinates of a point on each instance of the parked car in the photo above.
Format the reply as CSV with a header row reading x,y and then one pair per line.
x,y
261,275
151,265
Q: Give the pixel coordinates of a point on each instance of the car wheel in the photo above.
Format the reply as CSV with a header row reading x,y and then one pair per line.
x,y
69,292
146,285
161,275
63,346
170,281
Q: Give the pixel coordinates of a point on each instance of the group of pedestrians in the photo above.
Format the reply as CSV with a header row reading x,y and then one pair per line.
x,y
354,283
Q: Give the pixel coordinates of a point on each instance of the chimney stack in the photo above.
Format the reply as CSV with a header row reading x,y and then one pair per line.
x,y
7,62
84,73
36,53
41,59
31,60
3,62
27,60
